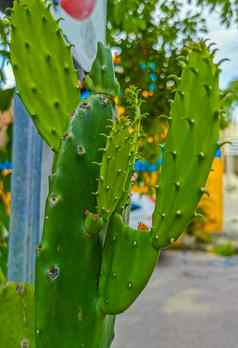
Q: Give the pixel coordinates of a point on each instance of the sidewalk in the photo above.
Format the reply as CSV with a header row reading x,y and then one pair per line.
x,y
190,302
231,214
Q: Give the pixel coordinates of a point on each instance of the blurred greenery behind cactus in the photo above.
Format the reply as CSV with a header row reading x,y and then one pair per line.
x,y
150,37
6,95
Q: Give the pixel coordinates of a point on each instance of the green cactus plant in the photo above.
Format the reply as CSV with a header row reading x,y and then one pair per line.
x,y
90,264
16,316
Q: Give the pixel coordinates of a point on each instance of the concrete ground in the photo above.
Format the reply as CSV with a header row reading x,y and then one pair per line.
x,y
190,302
231,214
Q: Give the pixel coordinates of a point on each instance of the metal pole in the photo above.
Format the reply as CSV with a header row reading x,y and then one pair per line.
x,y
26,195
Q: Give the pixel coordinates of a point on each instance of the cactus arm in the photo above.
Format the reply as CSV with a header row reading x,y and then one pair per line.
x,y
190,147
101,78
68,261
116,164
128,262
16,316
128,256
43,68
119,157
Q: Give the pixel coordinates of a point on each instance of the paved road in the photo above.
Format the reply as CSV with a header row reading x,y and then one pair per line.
x,y
190,302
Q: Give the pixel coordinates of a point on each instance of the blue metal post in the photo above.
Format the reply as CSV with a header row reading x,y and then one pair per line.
x,y
26,196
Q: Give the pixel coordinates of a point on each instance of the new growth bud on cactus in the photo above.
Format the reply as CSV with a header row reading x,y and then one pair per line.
x,y
101,78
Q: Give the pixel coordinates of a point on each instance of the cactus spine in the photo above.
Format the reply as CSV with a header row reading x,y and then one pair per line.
x,y
90,264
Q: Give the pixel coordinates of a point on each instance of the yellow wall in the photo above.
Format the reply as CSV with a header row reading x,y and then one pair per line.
x,y
213,205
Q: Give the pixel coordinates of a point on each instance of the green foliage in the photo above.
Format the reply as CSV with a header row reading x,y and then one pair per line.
x,y
6,96
155,42
228,9
4,31
151,36
5,4
229,100
226,249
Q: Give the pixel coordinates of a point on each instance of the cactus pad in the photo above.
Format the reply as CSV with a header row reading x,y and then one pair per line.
x,y
16,316
101,78
69,256
190,147
118,159
43,68
128,262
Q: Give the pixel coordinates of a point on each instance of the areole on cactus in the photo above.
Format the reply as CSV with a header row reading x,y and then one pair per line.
x,y
90,264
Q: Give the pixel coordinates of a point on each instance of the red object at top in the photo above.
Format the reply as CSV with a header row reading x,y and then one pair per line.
x,y
78,9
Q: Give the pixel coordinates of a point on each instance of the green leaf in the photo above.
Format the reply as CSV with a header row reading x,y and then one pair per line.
x,y
6,96
5,54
